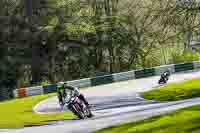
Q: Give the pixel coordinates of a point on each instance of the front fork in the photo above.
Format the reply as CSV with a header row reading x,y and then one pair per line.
x,y
71,108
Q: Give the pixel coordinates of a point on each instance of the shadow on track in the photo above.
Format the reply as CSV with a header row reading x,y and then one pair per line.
x,y
111,102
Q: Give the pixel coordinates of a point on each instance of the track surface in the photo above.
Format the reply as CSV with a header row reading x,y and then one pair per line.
x,y
112,104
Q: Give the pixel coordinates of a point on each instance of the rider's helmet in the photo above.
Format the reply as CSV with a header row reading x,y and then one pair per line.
x,y
67,86
167,72
60,86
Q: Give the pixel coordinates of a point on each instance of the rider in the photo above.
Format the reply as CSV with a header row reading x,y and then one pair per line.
x,y
66,90
166,74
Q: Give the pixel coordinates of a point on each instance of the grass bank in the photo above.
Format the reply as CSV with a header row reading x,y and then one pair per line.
x,y
175,91
183,121
19,113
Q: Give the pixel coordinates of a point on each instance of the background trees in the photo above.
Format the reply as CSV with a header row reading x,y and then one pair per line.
x,y
46,41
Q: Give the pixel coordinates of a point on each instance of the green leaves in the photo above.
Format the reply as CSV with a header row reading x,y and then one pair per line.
x,y
78,28
101,36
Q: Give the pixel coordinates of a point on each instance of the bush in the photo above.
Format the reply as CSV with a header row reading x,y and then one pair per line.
x,y
181,57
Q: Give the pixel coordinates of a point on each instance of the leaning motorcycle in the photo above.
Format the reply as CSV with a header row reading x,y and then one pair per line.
x,y
163,79
77,106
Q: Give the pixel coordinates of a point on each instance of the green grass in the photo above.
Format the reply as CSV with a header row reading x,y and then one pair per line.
x,y
183,121
18,113
175,91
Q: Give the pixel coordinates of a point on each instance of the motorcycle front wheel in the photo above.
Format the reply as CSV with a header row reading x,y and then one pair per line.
x,y
78,111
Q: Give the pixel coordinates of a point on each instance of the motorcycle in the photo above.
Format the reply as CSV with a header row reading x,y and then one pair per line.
x,y
163,79
77,106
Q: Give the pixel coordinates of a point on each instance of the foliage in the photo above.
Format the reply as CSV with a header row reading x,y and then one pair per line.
x,y
180,57
72,39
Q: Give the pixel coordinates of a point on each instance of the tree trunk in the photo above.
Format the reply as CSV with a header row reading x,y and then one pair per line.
x,y
52,74
36,64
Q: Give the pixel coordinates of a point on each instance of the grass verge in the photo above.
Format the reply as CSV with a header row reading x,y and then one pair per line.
x,y
183,121
19,113
175,91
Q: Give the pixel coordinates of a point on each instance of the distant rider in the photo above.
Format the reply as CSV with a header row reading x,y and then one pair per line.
x,y
165,75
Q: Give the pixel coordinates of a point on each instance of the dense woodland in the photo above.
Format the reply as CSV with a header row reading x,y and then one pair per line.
x,y
46,41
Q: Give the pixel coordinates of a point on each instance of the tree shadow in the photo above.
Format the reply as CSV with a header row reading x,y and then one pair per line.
x,y
111,102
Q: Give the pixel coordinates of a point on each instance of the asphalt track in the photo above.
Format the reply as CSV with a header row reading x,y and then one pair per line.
x,y
112,104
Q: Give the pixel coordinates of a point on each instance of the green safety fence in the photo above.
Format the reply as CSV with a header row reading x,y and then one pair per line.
x,y
144,73
184,67
102,80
